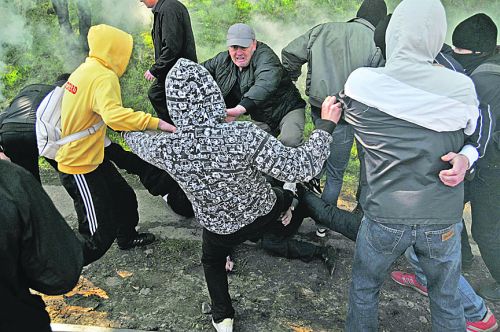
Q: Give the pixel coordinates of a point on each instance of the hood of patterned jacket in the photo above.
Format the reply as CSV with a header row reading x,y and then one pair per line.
x,y
219,165
110,46
193,98
410,87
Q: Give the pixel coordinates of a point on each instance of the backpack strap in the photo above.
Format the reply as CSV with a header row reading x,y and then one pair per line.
x,y
81,134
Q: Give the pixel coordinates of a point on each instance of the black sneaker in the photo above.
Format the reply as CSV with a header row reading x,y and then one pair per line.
x,y
139,240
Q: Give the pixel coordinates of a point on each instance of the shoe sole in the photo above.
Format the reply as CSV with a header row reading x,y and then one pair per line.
x,y
320,234
410,286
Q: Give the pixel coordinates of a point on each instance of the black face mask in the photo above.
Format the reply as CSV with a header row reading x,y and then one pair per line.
x,y
471,61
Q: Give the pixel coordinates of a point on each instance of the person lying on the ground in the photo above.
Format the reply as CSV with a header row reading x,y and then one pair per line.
x,y
38,250
280,242
219,165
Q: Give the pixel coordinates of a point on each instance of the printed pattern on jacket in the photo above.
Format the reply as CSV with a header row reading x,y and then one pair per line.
x,y
219,165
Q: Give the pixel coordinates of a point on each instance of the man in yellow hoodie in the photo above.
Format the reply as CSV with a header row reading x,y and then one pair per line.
x,y
105,204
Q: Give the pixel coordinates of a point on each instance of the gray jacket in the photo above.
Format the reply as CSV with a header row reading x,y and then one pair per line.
x,y
402,163
335,49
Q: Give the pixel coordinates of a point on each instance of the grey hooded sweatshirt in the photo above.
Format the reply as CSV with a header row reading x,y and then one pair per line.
x,y
407,115
219,165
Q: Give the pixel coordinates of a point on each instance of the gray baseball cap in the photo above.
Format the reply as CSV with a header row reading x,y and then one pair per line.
x,y
240,34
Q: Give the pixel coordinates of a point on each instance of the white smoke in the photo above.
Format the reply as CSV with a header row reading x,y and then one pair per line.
x,y
131,16
12,34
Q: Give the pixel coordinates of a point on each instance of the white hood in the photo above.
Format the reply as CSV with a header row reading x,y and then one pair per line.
x,y
410,87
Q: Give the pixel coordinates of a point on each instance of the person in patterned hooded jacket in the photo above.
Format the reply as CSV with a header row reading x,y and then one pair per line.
x,y
220,166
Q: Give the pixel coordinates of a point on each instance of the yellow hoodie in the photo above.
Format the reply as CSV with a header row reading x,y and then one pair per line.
x,y
93,93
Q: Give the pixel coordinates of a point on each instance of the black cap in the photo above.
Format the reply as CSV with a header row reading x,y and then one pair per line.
x,y
477,33
373,11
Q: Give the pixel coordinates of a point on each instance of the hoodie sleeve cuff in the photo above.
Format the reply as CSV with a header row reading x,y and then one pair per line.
x,y
153,123
248,104
325,125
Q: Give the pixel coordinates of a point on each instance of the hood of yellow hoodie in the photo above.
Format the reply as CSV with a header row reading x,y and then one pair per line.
x,y
110,46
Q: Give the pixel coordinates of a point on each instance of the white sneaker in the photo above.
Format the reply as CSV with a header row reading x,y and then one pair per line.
x,y
225,326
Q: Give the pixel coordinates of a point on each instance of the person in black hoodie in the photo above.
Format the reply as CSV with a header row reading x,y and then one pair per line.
x,y
172,39
475,42
38,250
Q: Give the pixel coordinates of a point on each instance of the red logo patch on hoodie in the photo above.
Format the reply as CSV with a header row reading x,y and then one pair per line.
x,y
71,88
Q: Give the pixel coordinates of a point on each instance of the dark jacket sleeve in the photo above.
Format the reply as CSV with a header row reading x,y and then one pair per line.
x,y
268,71
171,44
295,54
485,127
51,255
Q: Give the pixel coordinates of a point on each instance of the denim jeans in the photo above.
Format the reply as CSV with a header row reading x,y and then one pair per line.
x,y
336,164
474,306
379,245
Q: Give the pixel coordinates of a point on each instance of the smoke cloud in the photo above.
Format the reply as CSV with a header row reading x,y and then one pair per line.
x,y
12,34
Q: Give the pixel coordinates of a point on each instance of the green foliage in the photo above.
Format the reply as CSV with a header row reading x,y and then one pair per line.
x,y
11,77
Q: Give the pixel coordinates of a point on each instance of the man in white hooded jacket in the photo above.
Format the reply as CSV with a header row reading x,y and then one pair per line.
x,y
410,117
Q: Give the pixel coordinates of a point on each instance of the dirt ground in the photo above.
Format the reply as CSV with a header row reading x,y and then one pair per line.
x,y
161,287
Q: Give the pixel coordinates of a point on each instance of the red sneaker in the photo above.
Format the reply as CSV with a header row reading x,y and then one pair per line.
x,y
408,280
487,324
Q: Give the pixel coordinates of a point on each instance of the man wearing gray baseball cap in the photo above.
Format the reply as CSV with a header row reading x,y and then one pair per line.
x,y
254,82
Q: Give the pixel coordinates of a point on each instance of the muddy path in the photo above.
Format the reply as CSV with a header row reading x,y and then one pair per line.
x,y
161,287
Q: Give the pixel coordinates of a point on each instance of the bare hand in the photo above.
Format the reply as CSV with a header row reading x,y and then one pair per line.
x,y
149,76
229,264
165,126
287,217
3,156
331,109
455,175
236,111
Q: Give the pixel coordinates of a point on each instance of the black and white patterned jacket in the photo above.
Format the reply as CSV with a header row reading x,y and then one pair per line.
x,y
219,165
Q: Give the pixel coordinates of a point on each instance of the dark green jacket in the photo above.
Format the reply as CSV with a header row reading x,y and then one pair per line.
x,y
266,90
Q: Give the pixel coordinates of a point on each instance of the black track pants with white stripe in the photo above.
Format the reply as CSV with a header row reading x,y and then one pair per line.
x,y
106,207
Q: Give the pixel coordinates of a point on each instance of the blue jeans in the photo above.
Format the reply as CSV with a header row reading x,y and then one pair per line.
x,y
474,307
379,245
336,164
